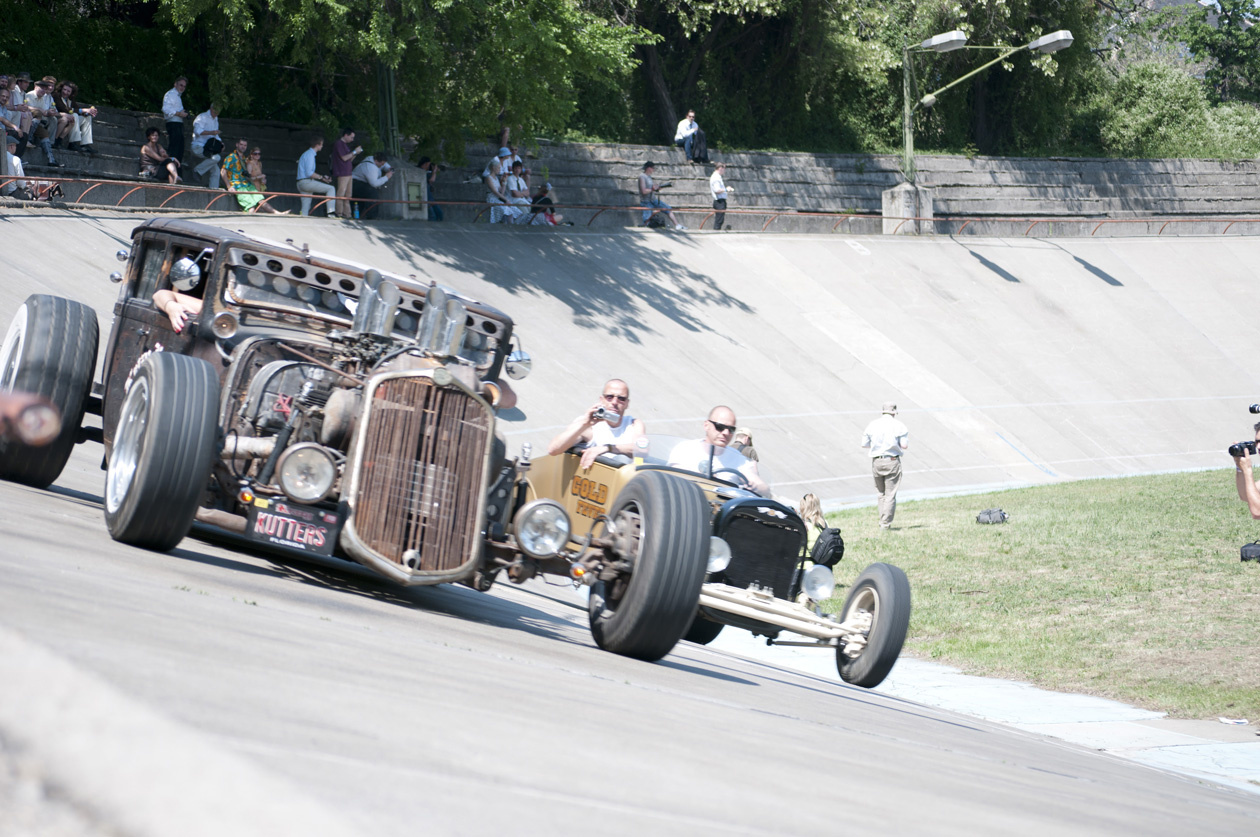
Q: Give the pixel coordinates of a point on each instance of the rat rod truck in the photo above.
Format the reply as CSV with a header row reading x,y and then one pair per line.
x,y
315,404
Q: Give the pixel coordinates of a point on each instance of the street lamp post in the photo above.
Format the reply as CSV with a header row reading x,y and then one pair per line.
x,y
948,42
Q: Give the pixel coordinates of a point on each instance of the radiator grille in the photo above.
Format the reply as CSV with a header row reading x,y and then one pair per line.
x,y
421,473
762,552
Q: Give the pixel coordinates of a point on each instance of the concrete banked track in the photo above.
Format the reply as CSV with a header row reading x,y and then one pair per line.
x,y
1014,361
212,691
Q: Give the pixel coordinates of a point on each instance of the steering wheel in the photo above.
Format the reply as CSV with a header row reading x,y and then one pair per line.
x,y
735,476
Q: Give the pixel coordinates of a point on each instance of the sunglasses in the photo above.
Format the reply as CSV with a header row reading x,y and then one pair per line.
x,y
622,398
722,428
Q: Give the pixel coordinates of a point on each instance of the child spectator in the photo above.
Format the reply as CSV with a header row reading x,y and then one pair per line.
x,y
310,183
154,159
208,144
518,192
81,116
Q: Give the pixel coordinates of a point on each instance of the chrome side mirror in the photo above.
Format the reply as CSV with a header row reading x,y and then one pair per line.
x,y
519,364
115,277
122,255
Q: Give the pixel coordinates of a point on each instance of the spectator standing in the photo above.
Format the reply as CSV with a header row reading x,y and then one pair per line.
x,y
310,183
343,169
886,438
369,176
495,178
81,116
207,143
430,173
690,137
718,188
44,117
154,160
650,201
174,113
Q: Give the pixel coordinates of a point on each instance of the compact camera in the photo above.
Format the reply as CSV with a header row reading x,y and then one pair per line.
x,y
1238,448
603,414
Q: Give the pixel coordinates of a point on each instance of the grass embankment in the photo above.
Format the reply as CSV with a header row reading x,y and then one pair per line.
x,y
1130,589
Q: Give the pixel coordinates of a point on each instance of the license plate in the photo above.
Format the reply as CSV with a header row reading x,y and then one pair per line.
x,y
281,523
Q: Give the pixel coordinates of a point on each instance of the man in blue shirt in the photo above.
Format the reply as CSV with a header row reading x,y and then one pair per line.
x,y
310,183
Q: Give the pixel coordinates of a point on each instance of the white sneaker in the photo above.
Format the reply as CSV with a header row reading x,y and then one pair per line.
x,y
679,227
216,158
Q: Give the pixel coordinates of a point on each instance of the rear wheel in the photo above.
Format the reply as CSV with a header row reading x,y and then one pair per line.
x,y
703,631
661,527
164,447
881,598
49,350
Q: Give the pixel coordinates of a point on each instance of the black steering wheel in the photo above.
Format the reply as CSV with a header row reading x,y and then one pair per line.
x,y
735,476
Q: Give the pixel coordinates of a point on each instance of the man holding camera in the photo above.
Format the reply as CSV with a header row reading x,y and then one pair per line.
x,y
605,427
1248,491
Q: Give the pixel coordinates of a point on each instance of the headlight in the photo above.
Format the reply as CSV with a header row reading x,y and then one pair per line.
x,y
819,583
719,555
306,472
542,528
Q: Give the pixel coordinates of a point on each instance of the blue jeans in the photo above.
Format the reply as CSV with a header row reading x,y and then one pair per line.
x,y
652,205
685,144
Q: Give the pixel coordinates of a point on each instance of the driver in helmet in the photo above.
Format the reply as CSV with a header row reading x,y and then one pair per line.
x,y
182,303
713,457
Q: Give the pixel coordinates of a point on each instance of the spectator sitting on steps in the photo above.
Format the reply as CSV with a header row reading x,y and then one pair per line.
x,y
207,143
14,99
45,123
154,159
518,193
79,128
310,183
10,119
15,188
495,178
690,138
650,201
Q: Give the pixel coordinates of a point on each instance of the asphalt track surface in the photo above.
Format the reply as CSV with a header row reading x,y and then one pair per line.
x,y
211,691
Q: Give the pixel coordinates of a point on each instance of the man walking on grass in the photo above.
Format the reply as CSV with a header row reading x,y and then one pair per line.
x,y
887,438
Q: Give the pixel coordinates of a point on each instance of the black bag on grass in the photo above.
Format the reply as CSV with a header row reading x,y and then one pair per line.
x,y
828,549
1251,551
992,516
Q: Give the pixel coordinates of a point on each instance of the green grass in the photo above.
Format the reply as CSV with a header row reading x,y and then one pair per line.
x,y
1130,589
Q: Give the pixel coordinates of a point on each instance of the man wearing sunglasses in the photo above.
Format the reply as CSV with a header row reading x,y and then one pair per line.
x,y
614,434
712,455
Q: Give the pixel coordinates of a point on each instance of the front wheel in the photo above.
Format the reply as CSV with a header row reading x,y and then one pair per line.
x,y
164,447
703,631
881,598
49,350
661,525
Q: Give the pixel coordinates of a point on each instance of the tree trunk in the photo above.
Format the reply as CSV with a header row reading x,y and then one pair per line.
x,y
980,129
665,113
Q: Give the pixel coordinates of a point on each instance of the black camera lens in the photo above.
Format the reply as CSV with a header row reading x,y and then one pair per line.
x,y
1254,408
1237,448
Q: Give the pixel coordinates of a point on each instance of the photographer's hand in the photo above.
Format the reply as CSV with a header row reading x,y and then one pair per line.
x,y
1248,492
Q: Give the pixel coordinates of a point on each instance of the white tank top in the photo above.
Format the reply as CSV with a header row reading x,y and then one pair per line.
x,y
604,433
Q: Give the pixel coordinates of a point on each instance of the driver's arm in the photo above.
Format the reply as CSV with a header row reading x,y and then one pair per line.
x,y
755,482
578,430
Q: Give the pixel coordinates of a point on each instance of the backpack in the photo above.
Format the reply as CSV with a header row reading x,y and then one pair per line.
x,y
1251,552
656,222
992,516
828,549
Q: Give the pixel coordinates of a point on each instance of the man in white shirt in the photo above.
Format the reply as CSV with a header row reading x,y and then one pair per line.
x,y
713,457
44,113
174,113
607,435
369,176
494,175
690,137
718,188
518,193
207,143
310,183
887,438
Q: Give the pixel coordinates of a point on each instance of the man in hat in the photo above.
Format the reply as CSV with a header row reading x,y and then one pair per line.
x,y
46,119
14,168
886,438
742,442
650,200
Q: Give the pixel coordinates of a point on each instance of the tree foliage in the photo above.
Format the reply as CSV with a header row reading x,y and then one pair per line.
x,y
1226,36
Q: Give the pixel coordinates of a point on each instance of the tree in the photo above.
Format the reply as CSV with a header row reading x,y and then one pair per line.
x,y
1224,34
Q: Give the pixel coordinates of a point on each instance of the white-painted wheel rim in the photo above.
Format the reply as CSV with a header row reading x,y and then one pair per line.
x,y
11,350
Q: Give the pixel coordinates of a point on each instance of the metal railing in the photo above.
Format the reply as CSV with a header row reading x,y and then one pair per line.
x,y
218,200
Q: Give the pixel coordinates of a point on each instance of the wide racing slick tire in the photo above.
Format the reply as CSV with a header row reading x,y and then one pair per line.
x,y
49,350
703,631
164,448
883,591
643,613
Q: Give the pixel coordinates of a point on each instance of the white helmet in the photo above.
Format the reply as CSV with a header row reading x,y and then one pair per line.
x,y
185,275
